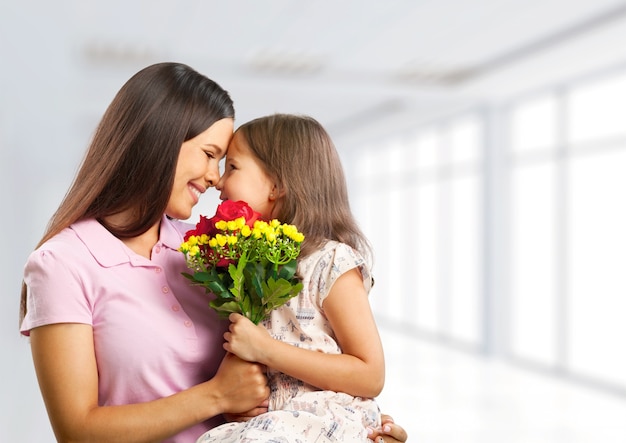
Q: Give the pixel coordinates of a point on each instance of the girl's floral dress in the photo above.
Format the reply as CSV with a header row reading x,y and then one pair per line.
x,y
299,412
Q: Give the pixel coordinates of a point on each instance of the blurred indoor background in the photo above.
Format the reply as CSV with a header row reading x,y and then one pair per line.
x,y
485,147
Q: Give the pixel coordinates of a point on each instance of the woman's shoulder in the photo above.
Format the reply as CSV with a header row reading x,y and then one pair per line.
x,y
77,242
65,241
57,258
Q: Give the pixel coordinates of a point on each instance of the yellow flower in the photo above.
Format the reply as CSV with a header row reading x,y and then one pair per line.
x,y
270,236
234,225
260,224
221,239
221,225
246,231
231,239
292,232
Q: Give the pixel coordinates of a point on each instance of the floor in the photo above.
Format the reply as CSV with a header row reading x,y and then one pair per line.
x,y
443,395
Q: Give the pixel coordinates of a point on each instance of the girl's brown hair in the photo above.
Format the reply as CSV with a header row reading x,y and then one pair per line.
x,y
298,153
131,161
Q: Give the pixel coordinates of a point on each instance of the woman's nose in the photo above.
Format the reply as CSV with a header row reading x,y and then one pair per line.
x,y
212,176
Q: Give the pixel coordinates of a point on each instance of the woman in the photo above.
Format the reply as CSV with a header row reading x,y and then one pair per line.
x,y
124,349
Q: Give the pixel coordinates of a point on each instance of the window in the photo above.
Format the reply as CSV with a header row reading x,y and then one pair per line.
x,y
567,237
560,168
428,234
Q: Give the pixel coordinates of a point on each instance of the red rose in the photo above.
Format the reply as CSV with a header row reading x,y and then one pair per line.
x,y
202,227
231,210
224,262
227,210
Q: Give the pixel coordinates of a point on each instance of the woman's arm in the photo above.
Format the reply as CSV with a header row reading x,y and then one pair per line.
x,y
65,364
358,371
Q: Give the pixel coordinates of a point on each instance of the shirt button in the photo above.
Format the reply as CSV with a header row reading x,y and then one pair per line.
x,y
187,324
175,308
165,289
158,270
157,249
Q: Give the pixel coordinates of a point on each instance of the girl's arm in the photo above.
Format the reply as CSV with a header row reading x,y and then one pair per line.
x,y
358,371
65,364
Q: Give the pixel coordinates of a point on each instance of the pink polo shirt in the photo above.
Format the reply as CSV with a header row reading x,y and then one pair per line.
x,y
154,333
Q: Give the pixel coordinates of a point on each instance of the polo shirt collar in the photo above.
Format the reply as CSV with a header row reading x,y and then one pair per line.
x,y
109,250
170,236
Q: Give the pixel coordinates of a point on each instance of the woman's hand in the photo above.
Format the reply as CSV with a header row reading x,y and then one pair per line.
x,y
242,385
389,432
245,416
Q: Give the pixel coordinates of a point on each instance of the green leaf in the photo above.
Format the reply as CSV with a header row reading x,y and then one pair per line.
x,y
253,286
277,292
216,287
202,277
221,301
225,308
236,273
288,270
254,277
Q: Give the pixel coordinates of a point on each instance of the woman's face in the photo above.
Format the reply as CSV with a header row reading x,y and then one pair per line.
x,y
244,179
198,167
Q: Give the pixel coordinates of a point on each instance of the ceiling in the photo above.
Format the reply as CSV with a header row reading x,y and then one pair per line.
x,y
363,68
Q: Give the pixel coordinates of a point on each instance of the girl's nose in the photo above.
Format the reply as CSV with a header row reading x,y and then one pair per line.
x,y
220,183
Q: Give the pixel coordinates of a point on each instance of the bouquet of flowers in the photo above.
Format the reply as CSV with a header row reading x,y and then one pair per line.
x,y
247,263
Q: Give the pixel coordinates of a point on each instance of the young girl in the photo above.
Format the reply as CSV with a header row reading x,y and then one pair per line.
x,y
322,350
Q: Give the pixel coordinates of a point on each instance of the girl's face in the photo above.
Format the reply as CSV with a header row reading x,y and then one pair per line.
x,y
244,179
198,167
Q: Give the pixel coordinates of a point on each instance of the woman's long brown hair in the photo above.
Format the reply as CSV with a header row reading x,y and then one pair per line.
x,y
131,161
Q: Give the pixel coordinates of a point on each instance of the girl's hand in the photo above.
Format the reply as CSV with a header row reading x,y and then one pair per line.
x,y
389,433
245,339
